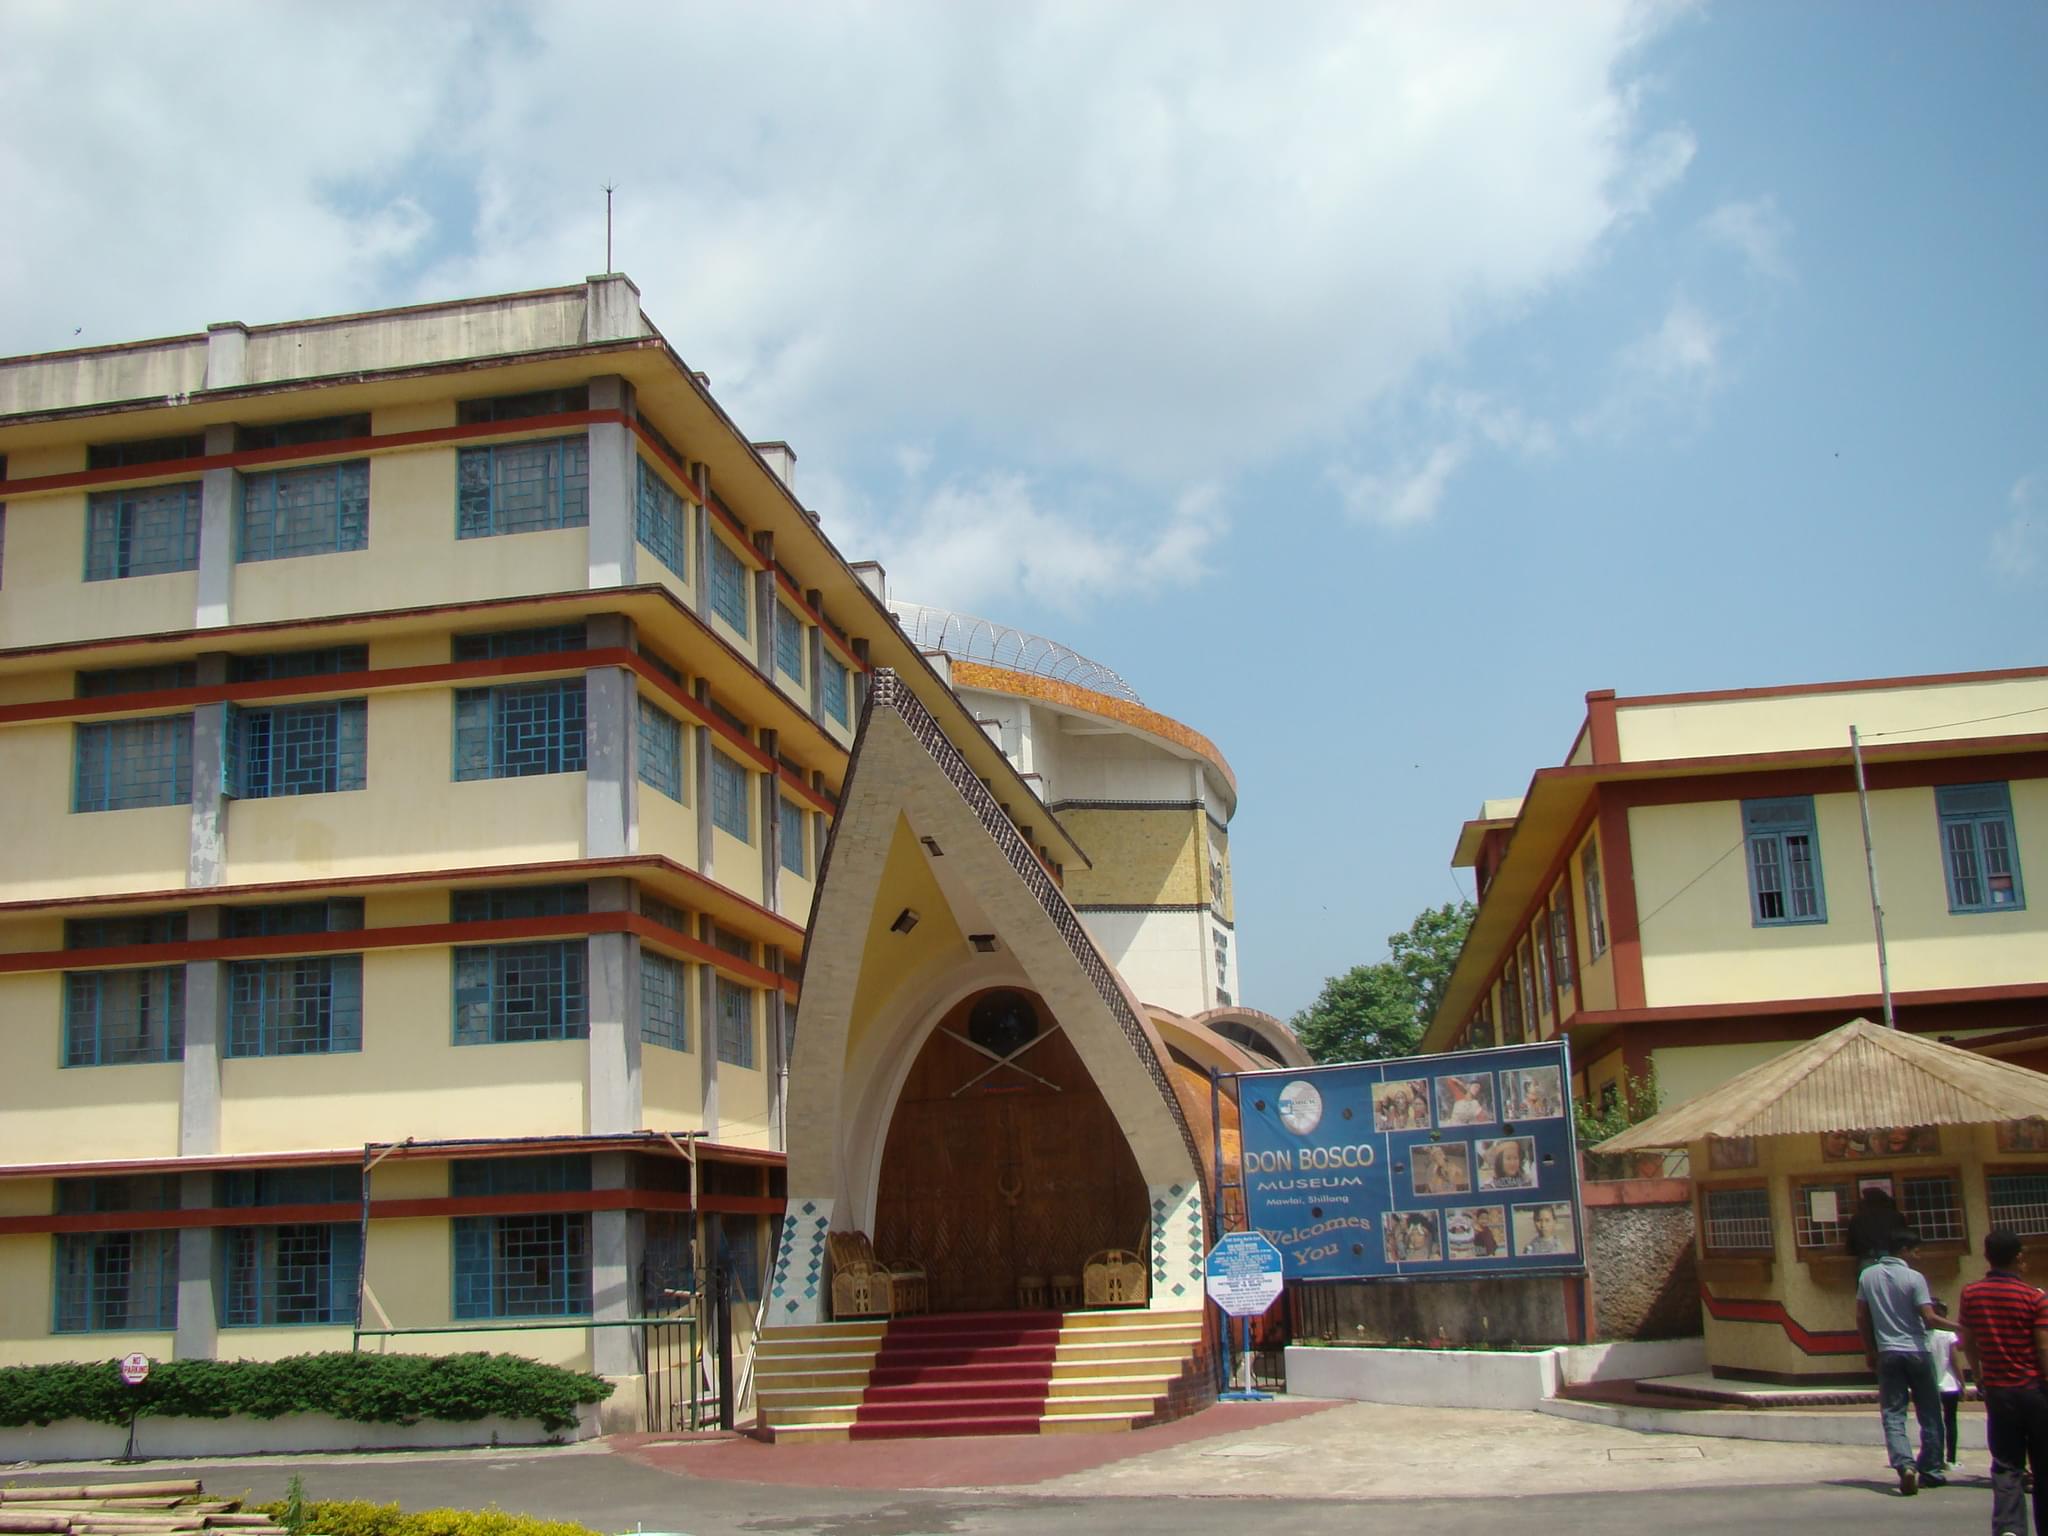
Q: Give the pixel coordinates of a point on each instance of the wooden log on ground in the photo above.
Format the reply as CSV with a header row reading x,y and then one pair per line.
x,y
142,1490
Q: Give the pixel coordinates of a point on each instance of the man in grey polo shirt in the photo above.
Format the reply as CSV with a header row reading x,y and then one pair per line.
x,y
1893,1313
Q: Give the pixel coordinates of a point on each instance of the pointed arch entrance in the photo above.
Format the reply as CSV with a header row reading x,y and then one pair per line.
x,y
998,1168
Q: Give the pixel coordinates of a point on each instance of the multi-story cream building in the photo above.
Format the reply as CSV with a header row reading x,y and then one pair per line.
x,y
1687,889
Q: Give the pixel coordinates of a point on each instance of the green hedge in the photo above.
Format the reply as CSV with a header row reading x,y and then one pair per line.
x,y
359,1517
362,1388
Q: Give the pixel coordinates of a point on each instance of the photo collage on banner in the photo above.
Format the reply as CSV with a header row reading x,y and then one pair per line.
x,y
1464,1163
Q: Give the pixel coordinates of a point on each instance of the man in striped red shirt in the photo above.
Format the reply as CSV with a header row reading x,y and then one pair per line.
x,y
2005,1329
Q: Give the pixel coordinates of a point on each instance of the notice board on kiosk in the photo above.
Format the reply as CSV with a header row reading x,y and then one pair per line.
x,y
1462,1164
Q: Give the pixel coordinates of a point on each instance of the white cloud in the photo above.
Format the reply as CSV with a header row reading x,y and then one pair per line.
x,y
1685,347
1405,496
1672,369
1756,231
2017,545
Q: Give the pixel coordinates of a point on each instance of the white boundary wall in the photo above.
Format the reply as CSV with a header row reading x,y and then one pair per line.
x,y
155,1438
1476,1378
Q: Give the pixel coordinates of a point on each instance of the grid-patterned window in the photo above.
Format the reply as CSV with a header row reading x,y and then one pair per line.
x,y
497,903
297,749
321,1184
338,914
791,835
300,1007
1820,1214
539,640
522,487
522,1266
1510,1008
111,1282
131,1192
105,682
518,992
2019,1201
1979,851
297,434
142,532
833,684
1546,986
1596,910
1738,1220
278,1277
125,764
538,402
1784,862
728,585
320,661
664,1001
124,932
654,909
548,1174
729,798
662,521
519,729
1933,1207
1561,939
735,1003
789,644
662,759
115,1017
145,450
322,510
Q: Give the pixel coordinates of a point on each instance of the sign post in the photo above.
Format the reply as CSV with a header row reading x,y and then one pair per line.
x,y
134,1371
1243,1278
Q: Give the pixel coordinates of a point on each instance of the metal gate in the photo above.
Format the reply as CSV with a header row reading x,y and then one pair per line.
x,y
672,1402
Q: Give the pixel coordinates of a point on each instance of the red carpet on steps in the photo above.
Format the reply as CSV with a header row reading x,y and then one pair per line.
x,y
969,1373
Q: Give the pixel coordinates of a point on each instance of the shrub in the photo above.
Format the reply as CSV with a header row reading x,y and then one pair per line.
x,y
361,1388
359,1517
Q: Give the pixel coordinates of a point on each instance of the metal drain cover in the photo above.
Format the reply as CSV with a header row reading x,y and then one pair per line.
x,y
1656,1453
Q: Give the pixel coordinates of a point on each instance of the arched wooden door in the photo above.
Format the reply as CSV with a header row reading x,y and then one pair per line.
x,y
1022,1172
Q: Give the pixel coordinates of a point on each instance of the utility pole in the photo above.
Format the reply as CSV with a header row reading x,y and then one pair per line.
x,y
1884,970
609,189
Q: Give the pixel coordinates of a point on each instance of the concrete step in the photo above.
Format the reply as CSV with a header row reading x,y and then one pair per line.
x,y
1097,1405
780,1417
811,1434
802,1349
1088,1424
863,1328
1148,1383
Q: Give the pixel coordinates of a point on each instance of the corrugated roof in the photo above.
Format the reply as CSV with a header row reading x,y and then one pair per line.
x,y
1859,1077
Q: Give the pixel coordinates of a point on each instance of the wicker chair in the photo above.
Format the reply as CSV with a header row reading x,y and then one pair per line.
x,y
863,1286
1114,1277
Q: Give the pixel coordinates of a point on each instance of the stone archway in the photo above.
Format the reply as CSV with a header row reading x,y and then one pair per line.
x,y
1024,1171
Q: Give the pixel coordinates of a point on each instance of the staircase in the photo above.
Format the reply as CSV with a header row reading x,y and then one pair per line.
x,y
979,1373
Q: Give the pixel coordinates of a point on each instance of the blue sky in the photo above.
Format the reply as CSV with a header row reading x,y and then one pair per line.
x,y
1364,383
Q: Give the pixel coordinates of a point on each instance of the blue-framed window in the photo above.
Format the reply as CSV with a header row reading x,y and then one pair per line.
x,y
539,402
321,661
522,487
289,1276
522,1266
115,1017
321,510
321,1184
729,797
519,729
297,749
663,761
789,644
536,640
296,434
1979,853
116,1282
106,682
832,681
126,764
145,450
664,1001
518,992
791,834
1784,862
306,1006
142,532
655,910
735,1003
548,1174
125,932
496,904
120,1192
337,914
728,585
662,520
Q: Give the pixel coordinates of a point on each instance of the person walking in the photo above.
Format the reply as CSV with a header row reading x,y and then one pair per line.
x,y
1894,1313
2005,1336
1949,1373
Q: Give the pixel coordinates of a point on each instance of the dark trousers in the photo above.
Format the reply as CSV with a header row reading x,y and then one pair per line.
x,y
2018,1430
1950,1402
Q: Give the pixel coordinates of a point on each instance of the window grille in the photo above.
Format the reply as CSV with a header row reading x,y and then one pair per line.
x,y
1784,861
1809,1233
1979,852
739,1250
522,1266
541,640
126,764
339,914
2019,1201
519,992
321,661
1739,1219
728,585
729,797
657,910
661,664
661,751
1596,912
522,487
520,729
738,945
129,1192
1510,1008
735,1022
789,644
294,434
324,1184
661,521
115,1017
300,1007
548,1174
145,450
142,532
298,749
122,932
285,1276
791,836
539,402
665,1272
499,903
1561,940
664,1001
321,510
834,689
1933,1207
111,1282
105,682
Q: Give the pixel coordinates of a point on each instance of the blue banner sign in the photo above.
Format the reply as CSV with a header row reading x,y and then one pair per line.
x,y
1463,1164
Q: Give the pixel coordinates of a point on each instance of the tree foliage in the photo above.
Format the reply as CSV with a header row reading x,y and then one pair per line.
x,y
1379,1010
